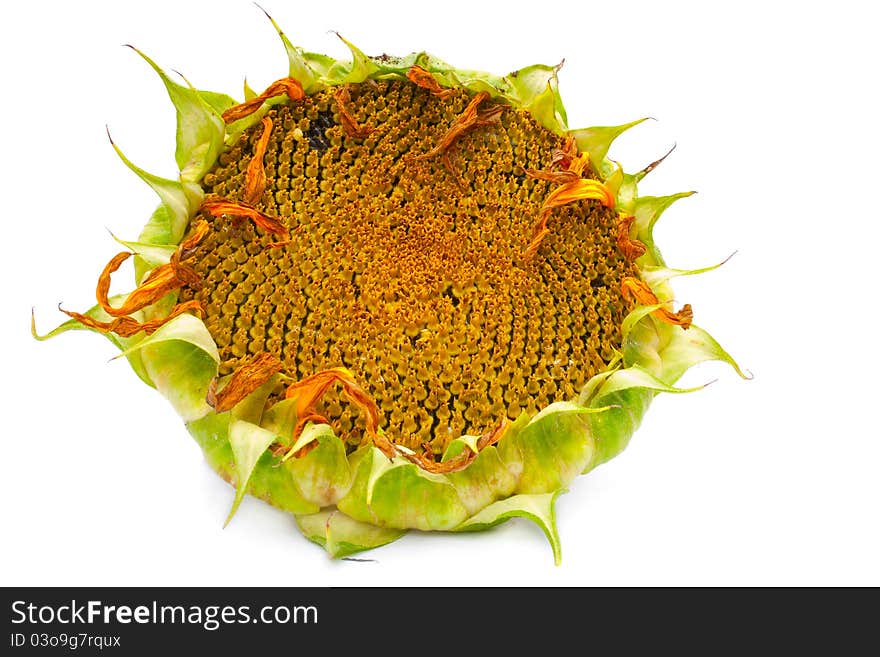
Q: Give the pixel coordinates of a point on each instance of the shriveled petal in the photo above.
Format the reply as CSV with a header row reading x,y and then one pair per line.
x,y
464,458
541,231
639,290
539,508
349,123
161,281
630,247
288,86
341,535
555,177
471,118
126,327
308,391
219,207
423,78
564,156
243,381
255,176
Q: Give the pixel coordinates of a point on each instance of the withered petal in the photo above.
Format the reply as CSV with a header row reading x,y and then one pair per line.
x,y
255,176
243,381
631,248
289,86
639,290
424,79
125,327
349,123
219,207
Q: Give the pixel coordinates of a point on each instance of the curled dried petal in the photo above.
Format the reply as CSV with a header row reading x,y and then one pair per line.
x,y
556,177
218,207
243,381
630,248
308,391
571,188
162,280
471,118
639,290
288,86
125,327
423,78
349,123
255,176
541,231
564,156
573,165
583,188
102,292
465,458
199,229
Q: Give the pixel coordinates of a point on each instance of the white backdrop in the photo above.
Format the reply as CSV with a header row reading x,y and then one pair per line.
x,y
767,482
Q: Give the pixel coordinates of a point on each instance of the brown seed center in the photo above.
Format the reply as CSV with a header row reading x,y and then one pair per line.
x,y
410,272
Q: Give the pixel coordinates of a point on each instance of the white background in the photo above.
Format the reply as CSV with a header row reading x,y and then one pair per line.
x,y
767,482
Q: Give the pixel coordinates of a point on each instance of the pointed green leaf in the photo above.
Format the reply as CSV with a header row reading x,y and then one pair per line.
x,y
623,186
537,508
597,140
323,475
588,392
405,496
361,67
158,230
248,442
322,66
549,452
342,536
655,275
299,67
628,392
641,340
96,312
635,316
482,482
216,101
153,255
181,359
281,418
378,466
687,348
647,210
249,94
310,434
458,445
476,81
536,89
269,481
399,494
637,377
170,192
186,328
200,129
614,428
354,503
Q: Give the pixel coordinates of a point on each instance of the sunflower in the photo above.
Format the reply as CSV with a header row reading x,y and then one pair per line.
x,y
387,294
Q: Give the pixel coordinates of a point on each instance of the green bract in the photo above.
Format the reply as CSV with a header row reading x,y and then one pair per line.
x,y
352,501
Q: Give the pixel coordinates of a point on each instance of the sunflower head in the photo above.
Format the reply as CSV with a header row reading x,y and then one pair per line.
x,y
387,294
